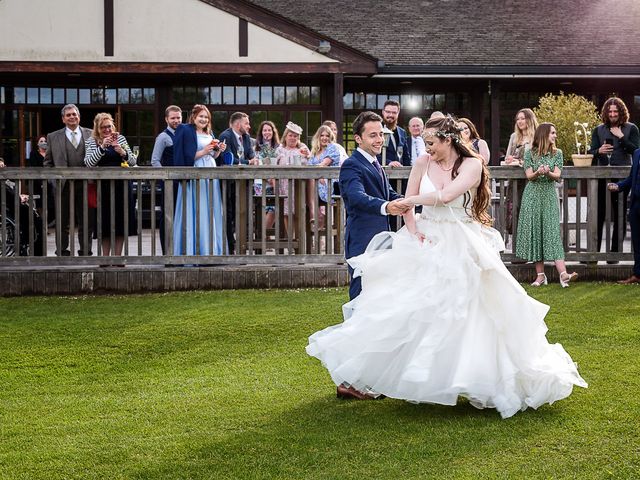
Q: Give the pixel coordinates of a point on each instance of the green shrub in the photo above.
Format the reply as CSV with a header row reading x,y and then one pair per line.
x,y
563,111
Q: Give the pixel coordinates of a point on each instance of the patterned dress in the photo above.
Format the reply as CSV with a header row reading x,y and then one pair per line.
x,y
539,221
332,152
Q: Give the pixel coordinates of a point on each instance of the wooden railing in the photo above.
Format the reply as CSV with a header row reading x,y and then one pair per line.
x,y
26,240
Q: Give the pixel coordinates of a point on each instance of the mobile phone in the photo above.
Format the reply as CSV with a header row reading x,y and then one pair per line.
x,y
608,141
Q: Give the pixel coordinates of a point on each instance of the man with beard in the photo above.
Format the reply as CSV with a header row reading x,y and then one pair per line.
x,y
613,143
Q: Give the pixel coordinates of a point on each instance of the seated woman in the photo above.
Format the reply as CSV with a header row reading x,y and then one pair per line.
x,y
108,148
195,146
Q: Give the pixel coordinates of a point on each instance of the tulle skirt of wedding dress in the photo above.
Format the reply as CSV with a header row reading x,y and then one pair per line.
x,y
444,319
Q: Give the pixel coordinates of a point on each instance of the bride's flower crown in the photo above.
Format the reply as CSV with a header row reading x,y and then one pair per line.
x,y
449,130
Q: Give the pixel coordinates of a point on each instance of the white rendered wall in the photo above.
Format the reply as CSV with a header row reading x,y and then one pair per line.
x,y
184,31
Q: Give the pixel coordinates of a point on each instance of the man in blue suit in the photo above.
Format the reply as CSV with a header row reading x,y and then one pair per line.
x,y
366,192
398,152
632,183
239,146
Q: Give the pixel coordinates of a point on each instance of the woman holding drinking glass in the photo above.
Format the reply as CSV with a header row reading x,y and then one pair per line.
x,y
194,145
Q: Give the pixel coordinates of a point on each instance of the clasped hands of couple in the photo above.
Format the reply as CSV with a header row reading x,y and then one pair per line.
x,y
402,206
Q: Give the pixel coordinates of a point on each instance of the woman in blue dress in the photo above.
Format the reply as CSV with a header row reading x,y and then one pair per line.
x,y
194,145
324,153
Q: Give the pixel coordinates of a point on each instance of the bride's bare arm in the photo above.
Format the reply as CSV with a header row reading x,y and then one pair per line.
x,y
413,188
468,177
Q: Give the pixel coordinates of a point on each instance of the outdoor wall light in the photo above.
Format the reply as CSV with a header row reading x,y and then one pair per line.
x,y
324,46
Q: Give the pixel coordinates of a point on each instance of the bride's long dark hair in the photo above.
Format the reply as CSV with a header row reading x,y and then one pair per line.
x,y
447,128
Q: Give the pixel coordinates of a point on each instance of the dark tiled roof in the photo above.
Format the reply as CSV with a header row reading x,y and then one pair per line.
x,y
477,32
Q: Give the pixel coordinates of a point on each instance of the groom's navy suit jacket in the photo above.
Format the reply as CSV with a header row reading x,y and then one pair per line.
x,y
632,182
363,192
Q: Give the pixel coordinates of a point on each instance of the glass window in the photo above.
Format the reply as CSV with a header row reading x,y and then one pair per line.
x,y
278,119
9,123
316,96
300,119
371,100
149,95
347,101
110,96
428,101
45,95
10,151
278,96
136,95
84,96
220,122
1,94
267,96
72,95
146,123
381,100
256,118
439,101
123,95
358,100
19,95
177,95
58,95
129,125
241,95
304,95
314,120
636,102
190,95
254,95
32,95
97,95
395,97
228,97
216,95
292,95
202,95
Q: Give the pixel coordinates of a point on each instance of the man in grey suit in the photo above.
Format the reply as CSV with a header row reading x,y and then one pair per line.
x,y
65,148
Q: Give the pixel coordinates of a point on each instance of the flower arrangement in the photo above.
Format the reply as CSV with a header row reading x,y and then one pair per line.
x,y
581,131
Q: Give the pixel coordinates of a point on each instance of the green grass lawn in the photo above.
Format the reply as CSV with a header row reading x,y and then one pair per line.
x,y
217,385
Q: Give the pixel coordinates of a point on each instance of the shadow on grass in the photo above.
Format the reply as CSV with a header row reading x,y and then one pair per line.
x,y
330,438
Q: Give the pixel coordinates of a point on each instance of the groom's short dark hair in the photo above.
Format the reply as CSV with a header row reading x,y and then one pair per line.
x,y
364,117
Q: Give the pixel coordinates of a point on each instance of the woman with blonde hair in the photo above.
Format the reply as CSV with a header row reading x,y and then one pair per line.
x,y
522,136
324,153
440,316
539,221
108,148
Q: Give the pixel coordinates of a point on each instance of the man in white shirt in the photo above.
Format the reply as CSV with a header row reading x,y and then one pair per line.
x,y
416,142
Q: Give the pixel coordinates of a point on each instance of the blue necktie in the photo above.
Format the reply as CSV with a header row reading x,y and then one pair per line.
x,y
378,168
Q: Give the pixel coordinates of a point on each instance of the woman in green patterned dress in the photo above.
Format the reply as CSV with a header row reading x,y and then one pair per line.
x,y
539,221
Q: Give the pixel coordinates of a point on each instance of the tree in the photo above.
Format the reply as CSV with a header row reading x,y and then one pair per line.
x,y
564,111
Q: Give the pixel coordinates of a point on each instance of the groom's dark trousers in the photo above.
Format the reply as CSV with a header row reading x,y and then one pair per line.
x,y
364,189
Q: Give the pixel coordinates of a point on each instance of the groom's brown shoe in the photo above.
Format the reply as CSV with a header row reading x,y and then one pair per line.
x,y
630,280
350,393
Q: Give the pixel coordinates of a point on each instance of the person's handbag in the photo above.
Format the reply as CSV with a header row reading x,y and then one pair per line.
x,y
92,195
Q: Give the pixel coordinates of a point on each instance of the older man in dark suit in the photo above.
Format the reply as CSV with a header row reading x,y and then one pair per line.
x,y
65,148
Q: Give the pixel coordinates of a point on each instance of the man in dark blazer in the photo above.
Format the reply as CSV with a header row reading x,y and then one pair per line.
x,y
239,152
65,148
632,184
398,152
366,192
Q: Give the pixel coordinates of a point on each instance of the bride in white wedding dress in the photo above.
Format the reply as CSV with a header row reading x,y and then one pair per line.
x,y
439,315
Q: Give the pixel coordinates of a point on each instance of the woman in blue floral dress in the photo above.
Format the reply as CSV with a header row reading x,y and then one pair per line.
x,y
538,236
324,153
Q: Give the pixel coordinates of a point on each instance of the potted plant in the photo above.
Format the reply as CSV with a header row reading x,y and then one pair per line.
x,y
569,113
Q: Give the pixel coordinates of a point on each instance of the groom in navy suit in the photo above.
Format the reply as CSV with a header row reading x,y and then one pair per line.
x,y
632,184
366,192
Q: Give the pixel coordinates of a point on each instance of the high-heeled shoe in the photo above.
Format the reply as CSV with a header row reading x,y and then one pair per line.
x,y
565,278
540,281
